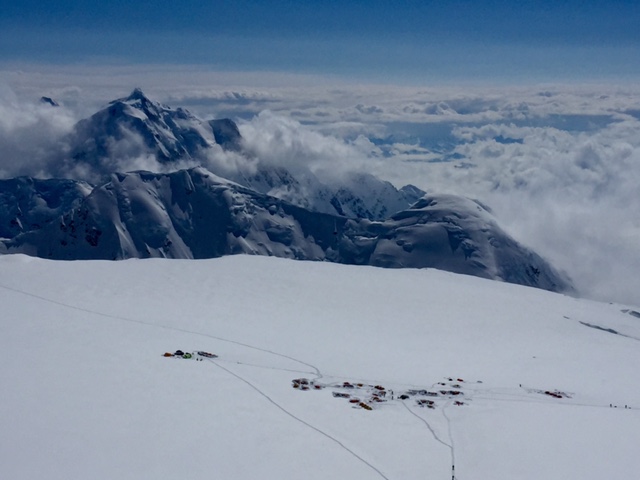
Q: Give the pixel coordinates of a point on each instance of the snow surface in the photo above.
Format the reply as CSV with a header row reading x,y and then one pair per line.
x,y
88,394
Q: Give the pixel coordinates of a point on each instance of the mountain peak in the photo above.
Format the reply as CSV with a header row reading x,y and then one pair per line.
x,y
137,99
137,94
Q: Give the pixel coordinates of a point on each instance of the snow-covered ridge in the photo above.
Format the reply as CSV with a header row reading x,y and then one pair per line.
x,y
186,214
451,233
195,214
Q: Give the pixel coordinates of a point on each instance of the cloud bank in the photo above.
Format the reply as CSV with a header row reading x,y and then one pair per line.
x,y
558,164
29,131
570,195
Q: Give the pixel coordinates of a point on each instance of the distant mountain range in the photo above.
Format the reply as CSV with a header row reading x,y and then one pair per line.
x,y
95,212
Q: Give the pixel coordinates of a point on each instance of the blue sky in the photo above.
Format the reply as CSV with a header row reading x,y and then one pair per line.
x,y
401,41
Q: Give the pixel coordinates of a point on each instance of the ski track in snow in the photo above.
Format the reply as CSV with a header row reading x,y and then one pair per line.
x,y
254,387
453,447
287,412
435,435
176,329
254,365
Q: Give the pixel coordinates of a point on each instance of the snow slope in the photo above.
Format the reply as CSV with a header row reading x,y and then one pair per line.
x,y
88,394
450,233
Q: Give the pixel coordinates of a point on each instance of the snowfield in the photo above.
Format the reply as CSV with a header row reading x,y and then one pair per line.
x,y
87,392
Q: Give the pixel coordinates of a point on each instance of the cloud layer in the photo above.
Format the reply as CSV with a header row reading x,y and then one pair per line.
x,y
559,165
571,195
28,133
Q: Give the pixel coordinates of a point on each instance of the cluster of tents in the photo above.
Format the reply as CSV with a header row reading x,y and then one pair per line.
x,y
198,355
365,396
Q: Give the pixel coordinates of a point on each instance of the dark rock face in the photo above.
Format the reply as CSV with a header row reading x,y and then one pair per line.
x,y
226,133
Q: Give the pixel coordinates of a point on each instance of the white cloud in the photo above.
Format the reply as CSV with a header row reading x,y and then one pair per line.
x,y
29,133
572,196
279,140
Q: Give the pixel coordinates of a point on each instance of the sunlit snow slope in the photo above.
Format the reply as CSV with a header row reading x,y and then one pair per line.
x,y
87,392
